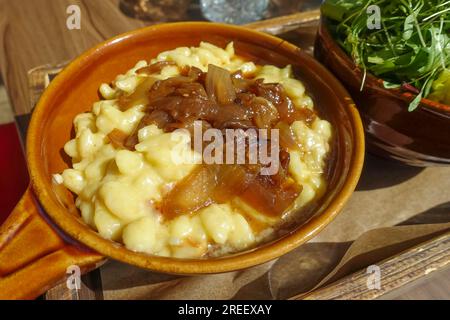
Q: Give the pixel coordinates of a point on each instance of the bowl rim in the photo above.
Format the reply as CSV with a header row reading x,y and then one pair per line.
x,y
78,231
326,35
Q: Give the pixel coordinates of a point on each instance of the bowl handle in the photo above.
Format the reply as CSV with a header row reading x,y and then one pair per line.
x,y
33,256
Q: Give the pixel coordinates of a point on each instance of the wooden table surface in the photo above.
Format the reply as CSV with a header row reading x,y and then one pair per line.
x,y
34,33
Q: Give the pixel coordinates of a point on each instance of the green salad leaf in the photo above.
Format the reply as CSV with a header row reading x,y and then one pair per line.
x,y
410,49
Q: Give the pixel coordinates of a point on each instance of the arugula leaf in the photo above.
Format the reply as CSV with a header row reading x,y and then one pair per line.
x,y
408,27
390,85
412,47
415,103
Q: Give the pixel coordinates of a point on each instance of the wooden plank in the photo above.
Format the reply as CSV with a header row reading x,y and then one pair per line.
x,y
398,271
285,24
91,289
43,37
436,286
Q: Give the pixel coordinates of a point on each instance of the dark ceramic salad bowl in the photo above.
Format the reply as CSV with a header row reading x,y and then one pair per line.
x,y
419,138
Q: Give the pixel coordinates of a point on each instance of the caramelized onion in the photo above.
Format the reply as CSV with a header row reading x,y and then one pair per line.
x,y
190,194
139,96
305,114
270,198
221,100
229,113
191,89
287,139
147,120
164,88
232,180
265,113
205,185
274,92
193,72
117,138
183,109
219,85
158,117
283,172
155,67
239,82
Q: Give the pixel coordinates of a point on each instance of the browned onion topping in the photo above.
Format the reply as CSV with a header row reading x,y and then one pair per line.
x,y
191,193
287,139
270,198
220,100
118,138
219,86
140,95
155,67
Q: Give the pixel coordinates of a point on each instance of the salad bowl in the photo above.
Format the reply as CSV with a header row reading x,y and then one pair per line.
x,y
419,138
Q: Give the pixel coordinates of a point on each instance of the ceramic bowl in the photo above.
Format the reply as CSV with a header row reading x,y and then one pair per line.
x,y
419,138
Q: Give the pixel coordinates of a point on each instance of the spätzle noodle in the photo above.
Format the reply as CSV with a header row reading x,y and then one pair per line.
x,y
118,190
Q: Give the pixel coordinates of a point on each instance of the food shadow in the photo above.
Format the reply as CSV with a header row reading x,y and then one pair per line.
x,y
381,173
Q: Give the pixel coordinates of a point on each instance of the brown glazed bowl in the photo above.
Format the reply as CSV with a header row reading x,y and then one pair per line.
x,y
43,237
419,138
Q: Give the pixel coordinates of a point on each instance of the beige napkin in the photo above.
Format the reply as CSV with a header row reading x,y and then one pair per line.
x,y
394,208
